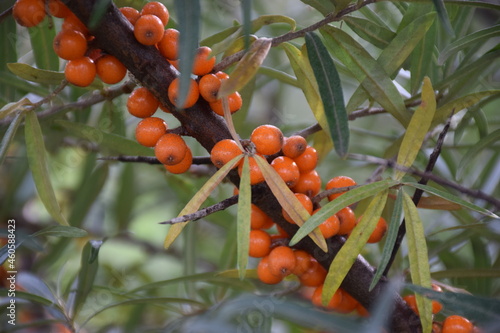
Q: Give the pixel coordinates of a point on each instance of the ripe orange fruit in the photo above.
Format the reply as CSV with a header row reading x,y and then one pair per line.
x,y
329,227
457,324
259,219
222,75
28,13
142,103
379,231
224,151
169,44
334,302
308,160
264,272
131,14
303,262
338,182
192,97
209,87
309,183
80,72
347,304
110,70
148,29
260,244
71,22
170,149
282,261
347,220
203,61
268,139
150,130
256,175
58,9
305,201
314,276
411,300
183,165
287,169
70,44
234,102
294,146
158,9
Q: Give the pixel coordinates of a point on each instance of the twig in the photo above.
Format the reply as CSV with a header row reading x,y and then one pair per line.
x,y
320,196
6,13
224,204
150,159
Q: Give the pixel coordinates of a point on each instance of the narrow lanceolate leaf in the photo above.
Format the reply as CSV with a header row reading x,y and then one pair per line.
x,y
88,269
417,129
419,259
247,67
41,44
35,149
10,108
443,16
198,199
61,231
370,31
288,200
390,238
9,135
364,68
344,200
488,141
243,219
347,255
37,75
330,90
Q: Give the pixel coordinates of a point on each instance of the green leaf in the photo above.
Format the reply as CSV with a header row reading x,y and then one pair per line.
x,y
188,18
331,92
35,150
42,37
288,200
420,64
325,7
348,253
370,31
366,70
10,108
452,198
279,75
61,231
487,142
471,273
9,135
113,142
8,45
390,238
443,16
418,258
37,75
346,199
98,12
197,200
243,218
89,264
247,67
417,129
125,197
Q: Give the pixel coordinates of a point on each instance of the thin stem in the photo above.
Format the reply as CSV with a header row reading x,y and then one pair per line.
x,y
151,159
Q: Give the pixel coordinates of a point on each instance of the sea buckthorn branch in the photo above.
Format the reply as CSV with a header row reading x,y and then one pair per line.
x,y
115,36
151,160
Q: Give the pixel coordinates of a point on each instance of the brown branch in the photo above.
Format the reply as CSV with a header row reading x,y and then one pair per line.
x,y
151,159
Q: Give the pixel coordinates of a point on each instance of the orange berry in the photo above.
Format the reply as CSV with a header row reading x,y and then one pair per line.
x,y
334,302
58,9
165,108
379,231
287,169
282,261
362,311
150,130
71,22
131,14
28,13
457,324
411,300
268,139
169,44
338,182
183,165
148,30
256,175
347,220
303,262
158,9
234,102
329,227
264,272
260,244
294,146
191,98
347,304
70,44
259,219
308,160
309,183
305,201
174,63
170,149
110,70
224,151
314,276
80,72
203,61
209,87
142,103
